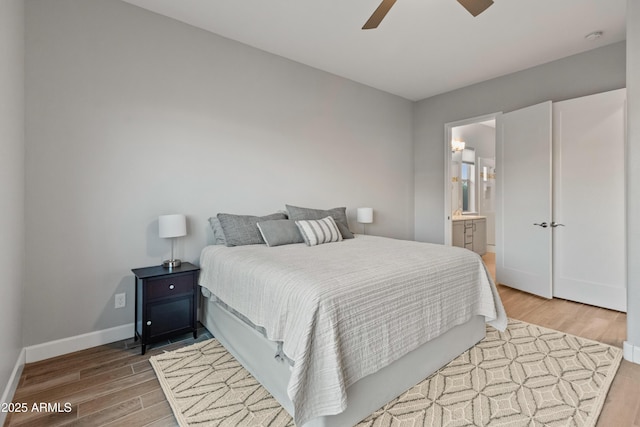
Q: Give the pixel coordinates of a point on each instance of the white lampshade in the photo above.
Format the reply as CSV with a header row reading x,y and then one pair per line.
x,y
172,225
365,215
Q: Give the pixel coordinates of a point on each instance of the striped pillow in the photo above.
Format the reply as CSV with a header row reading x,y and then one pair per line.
x,y
318,231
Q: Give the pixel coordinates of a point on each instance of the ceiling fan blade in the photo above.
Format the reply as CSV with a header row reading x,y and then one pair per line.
x,y
475,7
378,15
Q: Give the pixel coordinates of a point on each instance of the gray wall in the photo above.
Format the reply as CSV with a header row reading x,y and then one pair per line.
x,y
131,115
11,184
595,71
633,172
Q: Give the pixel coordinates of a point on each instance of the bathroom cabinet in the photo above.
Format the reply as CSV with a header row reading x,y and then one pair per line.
x,y
470,232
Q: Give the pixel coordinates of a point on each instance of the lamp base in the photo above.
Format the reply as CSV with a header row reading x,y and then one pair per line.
x,y
171,263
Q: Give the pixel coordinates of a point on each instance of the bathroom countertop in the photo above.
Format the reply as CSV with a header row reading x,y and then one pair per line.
x,y
466,217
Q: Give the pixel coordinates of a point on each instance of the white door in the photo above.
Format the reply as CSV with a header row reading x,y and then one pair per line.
x,y
588,199
523,178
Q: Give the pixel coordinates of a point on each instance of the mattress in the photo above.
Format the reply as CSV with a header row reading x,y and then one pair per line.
x,y
345,310
368,394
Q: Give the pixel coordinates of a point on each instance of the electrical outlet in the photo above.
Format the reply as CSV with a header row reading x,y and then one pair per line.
x,y
121,300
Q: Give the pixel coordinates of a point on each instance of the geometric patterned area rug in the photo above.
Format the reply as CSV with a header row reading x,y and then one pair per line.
x,y
525,376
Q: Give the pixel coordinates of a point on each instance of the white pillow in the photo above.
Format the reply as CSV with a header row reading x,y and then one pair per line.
x,y
318,231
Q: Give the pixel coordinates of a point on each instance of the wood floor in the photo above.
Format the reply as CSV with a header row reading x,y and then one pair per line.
x,y
107,385
114,385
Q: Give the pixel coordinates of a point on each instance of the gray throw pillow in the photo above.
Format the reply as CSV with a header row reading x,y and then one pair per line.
x,y
240,230
278,232
339,215
218,234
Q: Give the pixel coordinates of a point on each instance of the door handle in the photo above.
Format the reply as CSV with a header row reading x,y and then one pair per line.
x,y
555,224
543,225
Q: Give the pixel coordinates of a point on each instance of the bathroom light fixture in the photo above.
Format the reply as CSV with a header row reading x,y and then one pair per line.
x,y
457,145
172,226
365,216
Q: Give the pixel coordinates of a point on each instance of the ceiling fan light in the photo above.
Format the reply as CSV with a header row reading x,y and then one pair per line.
x,y
475,7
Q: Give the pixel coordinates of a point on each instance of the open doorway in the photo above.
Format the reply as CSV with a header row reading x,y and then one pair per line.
x,y
470,184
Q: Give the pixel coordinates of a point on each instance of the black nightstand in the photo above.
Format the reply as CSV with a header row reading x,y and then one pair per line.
x,y
166,302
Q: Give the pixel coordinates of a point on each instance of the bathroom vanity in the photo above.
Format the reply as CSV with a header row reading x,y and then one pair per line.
x,y
470,231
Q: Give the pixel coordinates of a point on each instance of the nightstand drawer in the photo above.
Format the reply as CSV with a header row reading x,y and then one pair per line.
x,y
170,286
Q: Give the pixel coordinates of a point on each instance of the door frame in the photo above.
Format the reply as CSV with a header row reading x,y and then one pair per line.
x,y
447,167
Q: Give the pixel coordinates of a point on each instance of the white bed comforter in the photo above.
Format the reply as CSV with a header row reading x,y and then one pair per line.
x,y
345,310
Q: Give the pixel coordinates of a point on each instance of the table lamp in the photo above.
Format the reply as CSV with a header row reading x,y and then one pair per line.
x,y
365,216
172,226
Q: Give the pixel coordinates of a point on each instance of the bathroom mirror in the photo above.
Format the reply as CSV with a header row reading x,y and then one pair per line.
x,y
463,177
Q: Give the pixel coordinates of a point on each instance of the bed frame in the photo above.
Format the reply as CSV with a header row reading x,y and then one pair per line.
x,y
256,354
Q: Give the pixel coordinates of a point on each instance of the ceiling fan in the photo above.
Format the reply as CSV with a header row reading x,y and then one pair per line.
x,y
475,7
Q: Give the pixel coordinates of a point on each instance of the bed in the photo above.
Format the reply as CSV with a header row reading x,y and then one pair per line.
x,y
337,330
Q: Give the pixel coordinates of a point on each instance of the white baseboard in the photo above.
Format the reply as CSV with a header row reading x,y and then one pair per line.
x,y
50,349
12,384
631,352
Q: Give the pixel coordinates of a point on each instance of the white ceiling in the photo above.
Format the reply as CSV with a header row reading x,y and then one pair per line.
x,y
422,48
